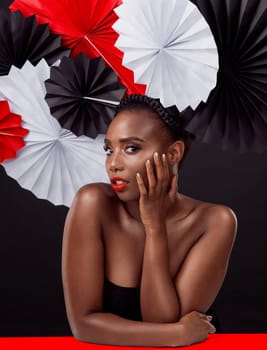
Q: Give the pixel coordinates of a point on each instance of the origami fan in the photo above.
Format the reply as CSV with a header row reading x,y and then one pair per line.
x,y
170,48
11,132
23,39
82,94
235,115
85,26
54,163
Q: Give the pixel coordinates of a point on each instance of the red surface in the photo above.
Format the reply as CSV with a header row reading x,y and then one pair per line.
x,y
11,132
214,342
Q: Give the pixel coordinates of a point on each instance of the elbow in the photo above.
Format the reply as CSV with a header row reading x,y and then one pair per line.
x,y
78,335
85,335
82,330
77,330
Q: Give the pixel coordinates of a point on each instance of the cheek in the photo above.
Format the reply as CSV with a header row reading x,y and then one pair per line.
x,y
137,163
140,167
136,167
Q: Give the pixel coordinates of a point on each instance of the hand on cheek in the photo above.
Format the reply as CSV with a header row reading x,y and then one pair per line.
x,y
159,193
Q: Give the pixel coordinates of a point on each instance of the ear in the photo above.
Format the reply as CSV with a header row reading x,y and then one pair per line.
x,y
176,152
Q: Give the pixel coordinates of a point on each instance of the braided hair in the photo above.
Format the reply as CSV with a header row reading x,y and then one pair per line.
x,y
169,115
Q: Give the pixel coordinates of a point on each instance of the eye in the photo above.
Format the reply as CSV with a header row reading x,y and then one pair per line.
x,y
131,149
107,149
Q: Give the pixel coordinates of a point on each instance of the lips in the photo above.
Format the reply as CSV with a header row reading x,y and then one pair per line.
x,y
119,183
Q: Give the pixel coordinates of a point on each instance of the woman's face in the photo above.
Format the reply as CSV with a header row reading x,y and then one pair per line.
x,y
132,138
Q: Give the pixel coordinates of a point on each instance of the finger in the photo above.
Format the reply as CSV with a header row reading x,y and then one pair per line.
x,y
150,178
141,185
159,169
212,329
165,166
203,316
206,317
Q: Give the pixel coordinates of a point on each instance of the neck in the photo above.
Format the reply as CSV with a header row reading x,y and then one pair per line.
x,y
132,207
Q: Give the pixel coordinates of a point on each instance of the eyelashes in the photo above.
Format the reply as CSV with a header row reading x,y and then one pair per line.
x,y
132,149
129,149
107,149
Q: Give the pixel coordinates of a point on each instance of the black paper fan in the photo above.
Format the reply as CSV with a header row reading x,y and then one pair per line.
x,y
82,94
235,114
22,39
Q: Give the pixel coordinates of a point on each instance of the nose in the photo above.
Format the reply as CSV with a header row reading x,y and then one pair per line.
x,y
114,162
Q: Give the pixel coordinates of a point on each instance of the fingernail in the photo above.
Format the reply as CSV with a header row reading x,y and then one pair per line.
x,y
148,162
156,155
164,157
209,318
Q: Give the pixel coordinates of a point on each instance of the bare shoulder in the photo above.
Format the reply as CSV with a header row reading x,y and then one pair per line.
x,y
95,194
86,213
213,217
90,202
220,216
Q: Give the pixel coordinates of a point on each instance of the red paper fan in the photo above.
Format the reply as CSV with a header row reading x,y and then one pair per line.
x,y
11,132
85,26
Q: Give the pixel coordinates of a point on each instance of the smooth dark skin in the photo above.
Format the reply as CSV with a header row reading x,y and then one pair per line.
x,y
175,248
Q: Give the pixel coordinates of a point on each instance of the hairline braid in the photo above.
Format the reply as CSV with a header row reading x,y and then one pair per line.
x,y
170,115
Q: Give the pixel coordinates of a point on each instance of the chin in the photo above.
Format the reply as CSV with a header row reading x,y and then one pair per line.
x,y
126,196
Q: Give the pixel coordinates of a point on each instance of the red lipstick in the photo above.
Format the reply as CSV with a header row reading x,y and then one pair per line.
x,y
118,183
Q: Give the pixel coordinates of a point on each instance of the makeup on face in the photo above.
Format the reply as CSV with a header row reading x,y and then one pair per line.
x,y
118,183
131,139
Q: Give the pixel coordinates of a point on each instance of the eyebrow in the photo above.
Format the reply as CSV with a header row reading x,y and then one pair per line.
x,y
126,139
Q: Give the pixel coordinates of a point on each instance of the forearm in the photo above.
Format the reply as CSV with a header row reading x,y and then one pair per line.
x,y
110,329
159,300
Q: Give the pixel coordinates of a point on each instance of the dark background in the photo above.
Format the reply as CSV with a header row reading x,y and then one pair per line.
x,y
31,297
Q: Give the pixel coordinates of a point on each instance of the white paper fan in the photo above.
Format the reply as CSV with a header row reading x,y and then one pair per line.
x,y
170,48
54,163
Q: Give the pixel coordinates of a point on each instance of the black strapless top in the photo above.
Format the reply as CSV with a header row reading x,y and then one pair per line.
x,y
122,301
125,302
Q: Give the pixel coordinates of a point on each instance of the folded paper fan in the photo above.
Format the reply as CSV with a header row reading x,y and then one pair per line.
x,y
11,132
22,39
85,26
82,94
235,115
54,163
170,48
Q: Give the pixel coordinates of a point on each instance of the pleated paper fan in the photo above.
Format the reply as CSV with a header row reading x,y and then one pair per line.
x,y
54,163
235,115
82,94
11,132
85,26
170,49
22,39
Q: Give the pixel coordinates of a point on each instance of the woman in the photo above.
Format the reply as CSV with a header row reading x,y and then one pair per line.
x,y
142,263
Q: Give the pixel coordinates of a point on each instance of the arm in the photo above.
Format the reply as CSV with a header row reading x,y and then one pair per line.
x,y
83,272
200,277
202,273
159,300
